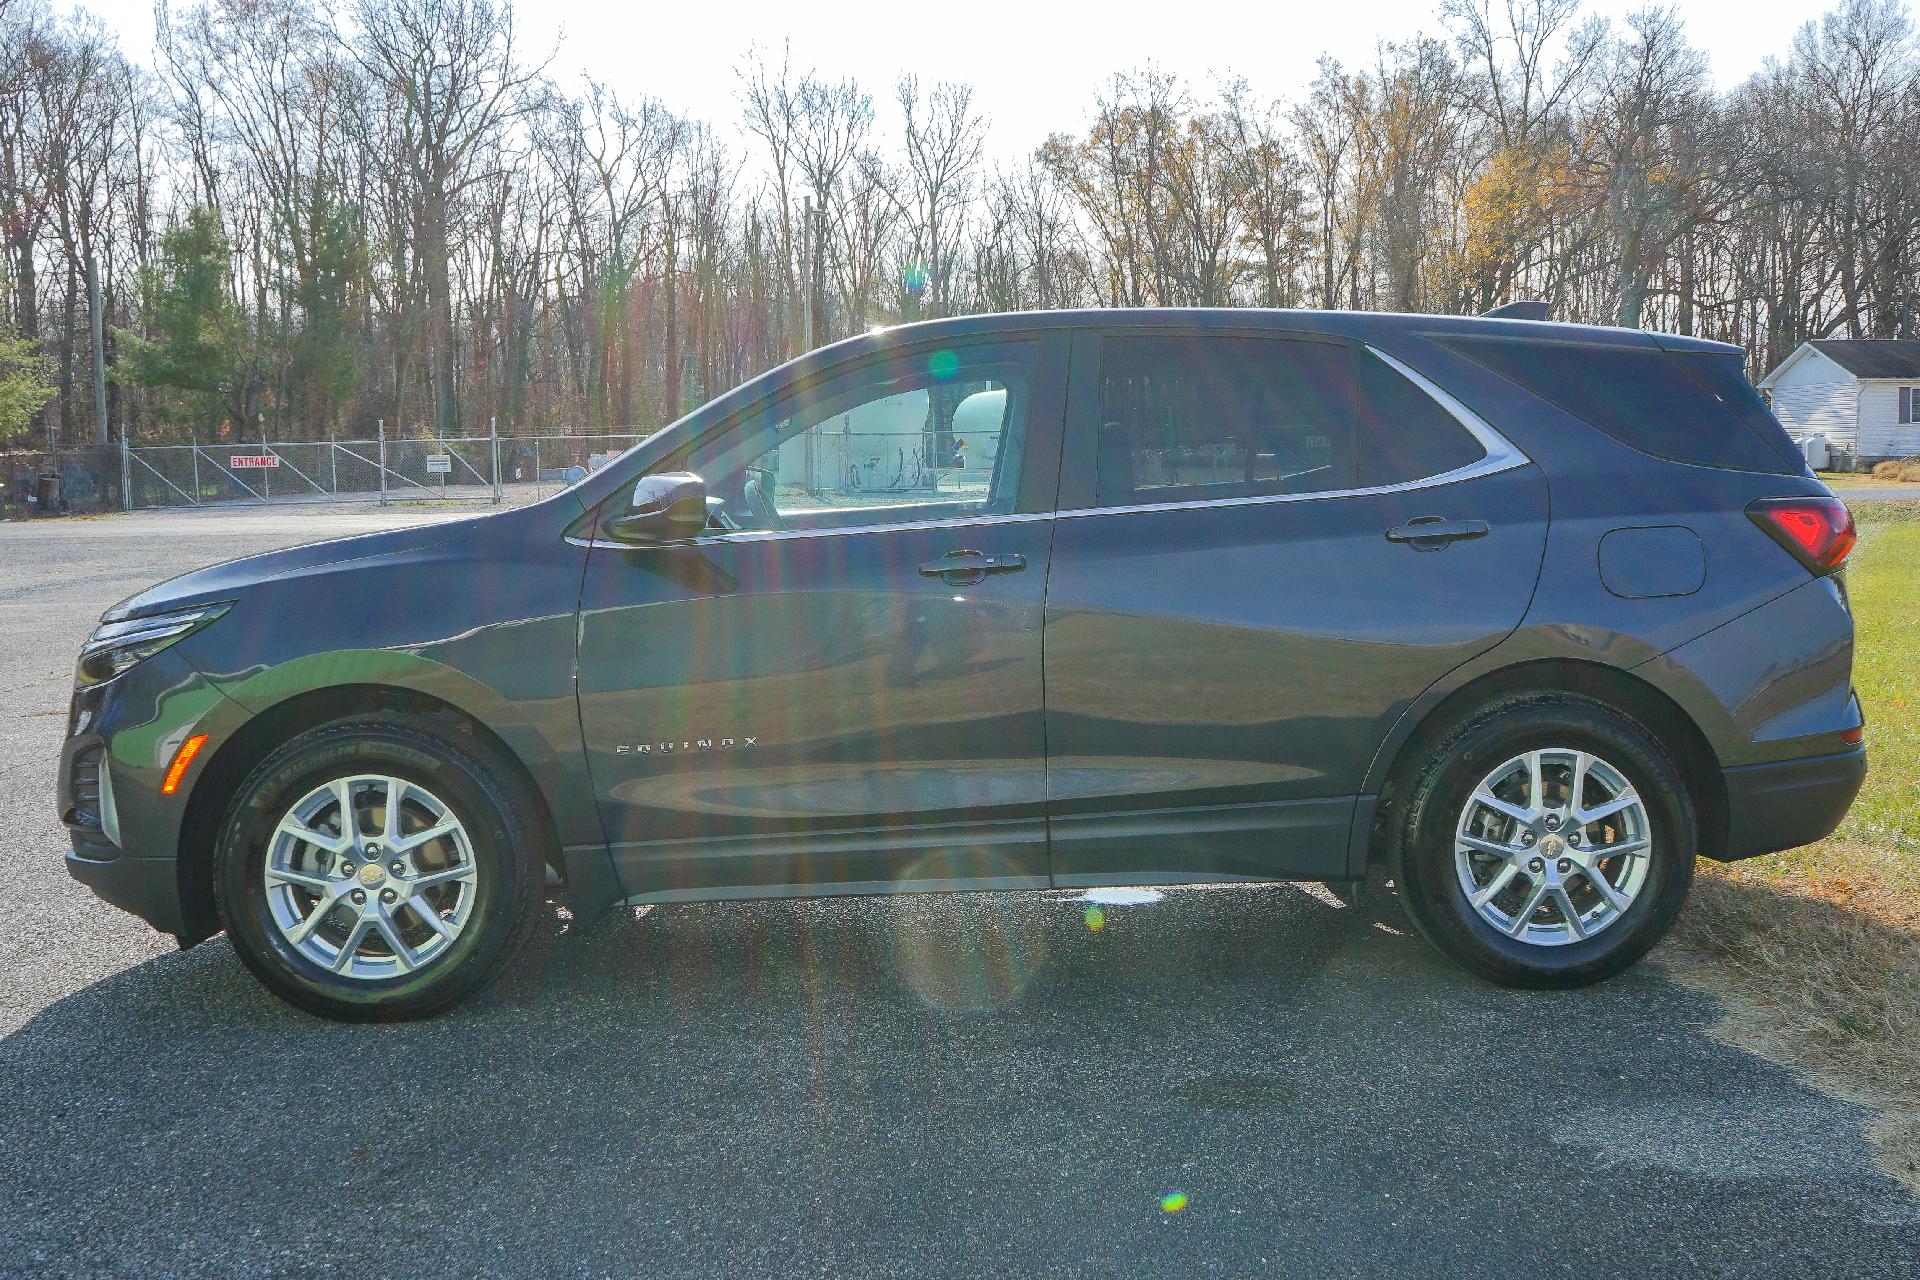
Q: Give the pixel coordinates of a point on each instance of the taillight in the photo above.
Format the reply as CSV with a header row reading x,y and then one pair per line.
x,y
1819,531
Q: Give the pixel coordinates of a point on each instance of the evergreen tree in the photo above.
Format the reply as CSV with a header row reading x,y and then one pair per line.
x,y
23,386
326,341
190,360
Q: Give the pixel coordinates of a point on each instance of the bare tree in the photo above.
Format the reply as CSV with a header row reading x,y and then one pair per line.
x,y
389,214
944,139
451,78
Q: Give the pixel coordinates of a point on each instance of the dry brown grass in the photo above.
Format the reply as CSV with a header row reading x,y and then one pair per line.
x,y
1816,953
1906,470
1819,971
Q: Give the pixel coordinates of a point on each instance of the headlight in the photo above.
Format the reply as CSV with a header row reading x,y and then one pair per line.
x,y
115,646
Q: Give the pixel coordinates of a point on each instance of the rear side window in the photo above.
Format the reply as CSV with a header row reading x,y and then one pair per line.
x,y
1683,406
1401,433
1191,419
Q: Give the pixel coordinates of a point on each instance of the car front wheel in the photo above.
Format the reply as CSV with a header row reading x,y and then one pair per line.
x,y
1548,842
375,869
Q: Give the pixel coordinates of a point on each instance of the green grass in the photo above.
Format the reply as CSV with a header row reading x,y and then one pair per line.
x,y
1883,581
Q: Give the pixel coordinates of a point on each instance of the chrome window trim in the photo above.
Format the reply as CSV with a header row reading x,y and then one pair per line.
x,y
1501,455
782,535
1497,446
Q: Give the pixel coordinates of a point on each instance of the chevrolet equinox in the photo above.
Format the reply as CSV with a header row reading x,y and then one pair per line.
x,y
1525,614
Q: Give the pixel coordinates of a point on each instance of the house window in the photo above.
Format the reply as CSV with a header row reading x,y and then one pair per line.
x,y
1909,405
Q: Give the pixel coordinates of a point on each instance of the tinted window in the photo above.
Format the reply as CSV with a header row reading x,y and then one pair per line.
x,y
1403,434
1184,419
1725,378
1671,405
924,435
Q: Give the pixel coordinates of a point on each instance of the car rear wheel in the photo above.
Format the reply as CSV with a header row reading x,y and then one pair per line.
x,y
1548,842
375,869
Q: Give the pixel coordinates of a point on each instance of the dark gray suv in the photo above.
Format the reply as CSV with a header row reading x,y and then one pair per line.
x,y
1526,614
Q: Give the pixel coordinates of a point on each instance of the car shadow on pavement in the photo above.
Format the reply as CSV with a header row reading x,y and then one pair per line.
x,y
989,1084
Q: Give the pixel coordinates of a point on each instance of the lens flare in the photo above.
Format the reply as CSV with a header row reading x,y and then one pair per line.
x,y
1173,1202
916,277
1096,919
966,958
943,365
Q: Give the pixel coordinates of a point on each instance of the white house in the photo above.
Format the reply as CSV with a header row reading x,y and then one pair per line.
x,y
1862,394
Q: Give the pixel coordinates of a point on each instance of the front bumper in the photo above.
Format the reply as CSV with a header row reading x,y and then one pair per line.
x,y
148,887
125,833
1788,803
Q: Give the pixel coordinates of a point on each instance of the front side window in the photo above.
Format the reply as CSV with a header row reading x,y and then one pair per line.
x,y
1187,419
921,435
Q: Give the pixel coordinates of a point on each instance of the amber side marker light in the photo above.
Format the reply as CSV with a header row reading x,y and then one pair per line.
x,y
181,759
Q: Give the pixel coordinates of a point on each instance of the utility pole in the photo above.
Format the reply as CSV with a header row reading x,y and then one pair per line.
x,y
493,439
806,277
807,461
816,295
99,325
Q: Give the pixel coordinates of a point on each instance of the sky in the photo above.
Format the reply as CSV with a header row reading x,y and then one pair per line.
x,y
1035,65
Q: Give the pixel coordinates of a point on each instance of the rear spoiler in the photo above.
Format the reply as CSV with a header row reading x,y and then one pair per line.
x,y
1525,309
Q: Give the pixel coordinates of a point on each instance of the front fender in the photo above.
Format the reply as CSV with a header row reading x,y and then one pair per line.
x,y
543,733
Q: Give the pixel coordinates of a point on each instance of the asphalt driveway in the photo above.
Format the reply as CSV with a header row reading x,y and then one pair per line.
x,y
920,1086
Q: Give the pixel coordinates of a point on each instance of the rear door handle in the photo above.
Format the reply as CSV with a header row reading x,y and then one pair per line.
x,y
1433,533
971,566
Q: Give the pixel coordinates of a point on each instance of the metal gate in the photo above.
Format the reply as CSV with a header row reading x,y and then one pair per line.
x,y
471,469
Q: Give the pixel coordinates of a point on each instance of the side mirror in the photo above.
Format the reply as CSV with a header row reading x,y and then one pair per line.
x,y
664,508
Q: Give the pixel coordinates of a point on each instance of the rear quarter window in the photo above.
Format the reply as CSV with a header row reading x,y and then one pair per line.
x,y
1402,433
1694,407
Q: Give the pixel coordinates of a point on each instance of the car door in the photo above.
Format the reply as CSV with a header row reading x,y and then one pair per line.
x,y
1268,545
840,690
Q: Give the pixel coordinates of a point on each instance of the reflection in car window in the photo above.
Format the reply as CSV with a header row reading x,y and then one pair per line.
x,y
1186,419
917,436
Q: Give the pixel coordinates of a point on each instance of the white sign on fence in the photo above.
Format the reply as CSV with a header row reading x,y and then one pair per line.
x,y
439,464
241,461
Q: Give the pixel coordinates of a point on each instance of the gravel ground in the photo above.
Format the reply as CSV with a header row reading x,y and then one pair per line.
x,y
921,1086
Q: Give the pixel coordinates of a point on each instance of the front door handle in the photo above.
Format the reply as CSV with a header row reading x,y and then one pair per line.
x,y
971,566
1432,533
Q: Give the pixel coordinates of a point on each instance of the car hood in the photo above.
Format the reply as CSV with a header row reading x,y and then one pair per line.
x,y
224,581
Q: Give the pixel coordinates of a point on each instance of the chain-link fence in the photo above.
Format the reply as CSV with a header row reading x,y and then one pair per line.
x,y
489,468
35,482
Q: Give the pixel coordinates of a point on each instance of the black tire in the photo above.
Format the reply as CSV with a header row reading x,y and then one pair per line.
x,y
487,796
1437,789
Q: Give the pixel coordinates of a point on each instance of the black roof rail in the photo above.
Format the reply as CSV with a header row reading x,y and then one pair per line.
x,y
1524,309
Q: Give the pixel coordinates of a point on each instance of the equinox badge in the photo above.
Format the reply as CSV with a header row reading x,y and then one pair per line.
x,y
686,745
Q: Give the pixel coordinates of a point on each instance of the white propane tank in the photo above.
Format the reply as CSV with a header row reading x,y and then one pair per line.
x,y
1819,456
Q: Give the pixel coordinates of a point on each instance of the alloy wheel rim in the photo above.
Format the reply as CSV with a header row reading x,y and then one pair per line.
x,y
370,877
1553,846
